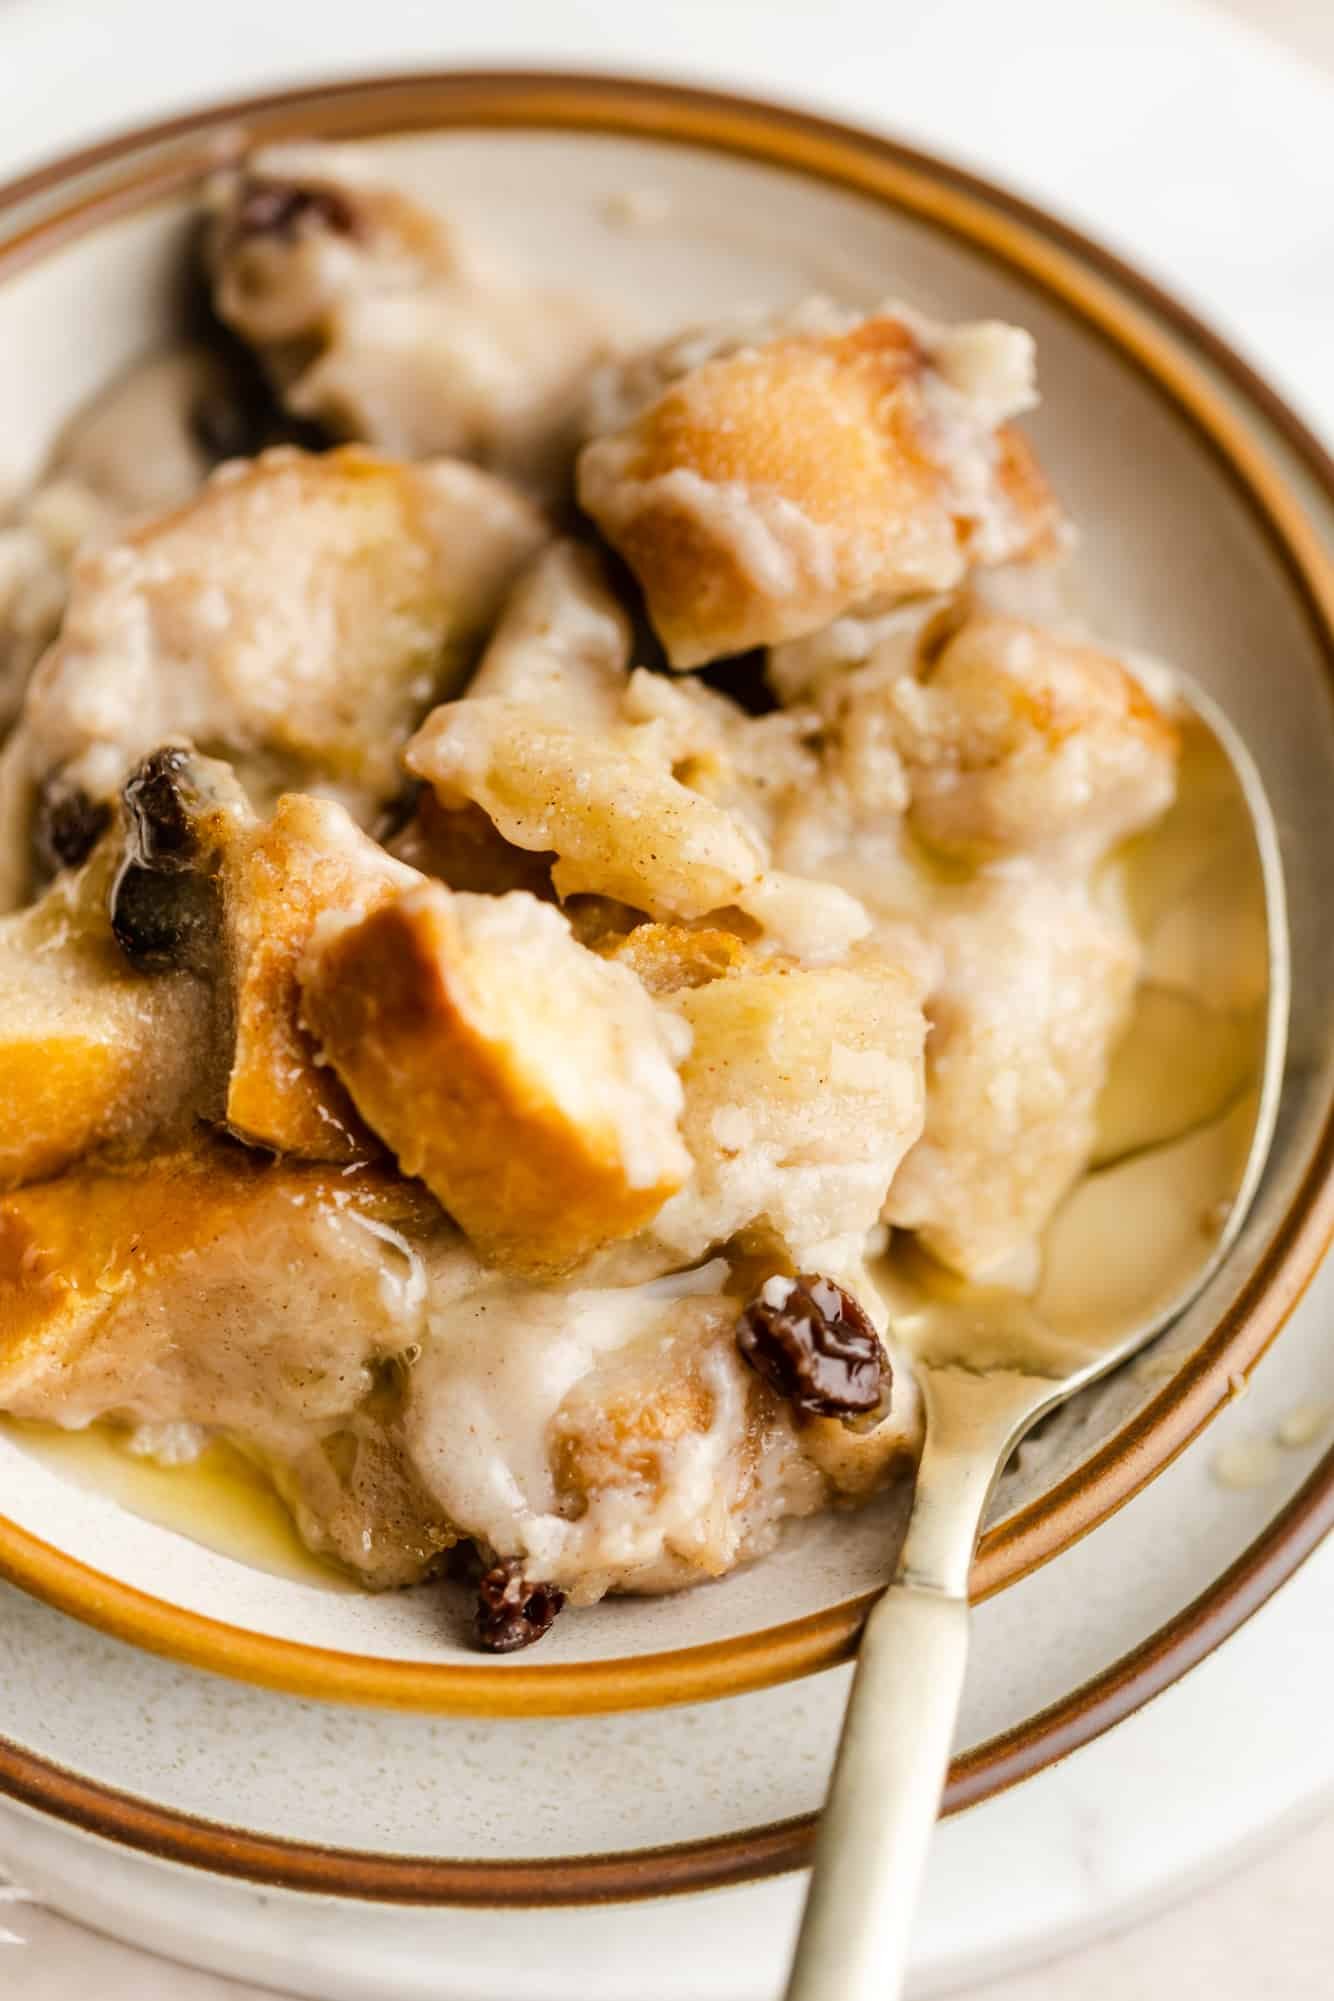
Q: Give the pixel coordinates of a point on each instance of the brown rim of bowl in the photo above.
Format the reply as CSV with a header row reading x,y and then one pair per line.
x,y
1057,259
170,1835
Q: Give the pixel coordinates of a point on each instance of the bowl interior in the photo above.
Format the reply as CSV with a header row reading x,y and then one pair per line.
x,y
1174,559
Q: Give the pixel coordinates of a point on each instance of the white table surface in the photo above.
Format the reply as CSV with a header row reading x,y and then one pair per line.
x,y
1266,1930
1263,1934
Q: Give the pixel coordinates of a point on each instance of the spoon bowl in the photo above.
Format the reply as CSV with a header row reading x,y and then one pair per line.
x,y
1195,1109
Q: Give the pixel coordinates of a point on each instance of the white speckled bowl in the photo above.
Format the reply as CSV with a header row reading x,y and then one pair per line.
x,y
1198,543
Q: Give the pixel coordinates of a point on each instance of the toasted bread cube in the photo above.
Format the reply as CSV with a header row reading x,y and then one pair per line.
x,y
562,642
298,616
631,1438
784,481
619,823
804,1090
298,229
134,447
527,1081
1036,988
629,1443
609,1437
122,1285
92,1052
1017,740
373,318
256,1300
311,857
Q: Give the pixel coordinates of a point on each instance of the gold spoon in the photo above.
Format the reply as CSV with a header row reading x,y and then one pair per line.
x,y
1120,1261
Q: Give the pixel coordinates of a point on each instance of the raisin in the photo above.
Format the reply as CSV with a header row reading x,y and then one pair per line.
x,y
165,901
281,208
163,806
160,922
813,1344
511,1612
67,826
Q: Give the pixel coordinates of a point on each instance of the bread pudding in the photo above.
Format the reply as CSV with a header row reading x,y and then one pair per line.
x,y
534,869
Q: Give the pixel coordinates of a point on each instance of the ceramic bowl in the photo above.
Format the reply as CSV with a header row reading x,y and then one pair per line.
x,y
1198,544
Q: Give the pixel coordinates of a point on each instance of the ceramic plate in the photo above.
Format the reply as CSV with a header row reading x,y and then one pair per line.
x,y
360,1856
1198,544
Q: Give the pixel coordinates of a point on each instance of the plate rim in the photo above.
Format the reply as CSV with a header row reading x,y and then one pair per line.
x,y
1087,281
747,1855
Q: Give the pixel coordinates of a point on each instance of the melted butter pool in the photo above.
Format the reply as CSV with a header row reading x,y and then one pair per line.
x,y
221,1500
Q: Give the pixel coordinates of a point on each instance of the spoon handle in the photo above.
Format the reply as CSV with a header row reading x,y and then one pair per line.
x,y
884,1798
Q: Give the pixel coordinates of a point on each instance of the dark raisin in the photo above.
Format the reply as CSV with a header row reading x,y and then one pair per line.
x,y
165,901
162,922
511,1612
67,825
813,1344
281,208
163,806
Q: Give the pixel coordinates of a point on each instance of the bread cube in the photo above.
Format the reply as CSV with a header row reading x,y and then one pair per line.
x,y
1017,740
527,1081
93,1053
619,823
276,1305
298,617
373,318
309,858
629,1444
132,448
804,1090
785,479
562,642
1036,987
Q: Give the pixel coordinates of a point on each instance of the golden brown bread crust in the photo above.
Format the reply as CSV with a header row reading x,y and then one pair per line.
x,y
72,1250
770,489
93,1052
411,1011
308,859
212,1287
58,1096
